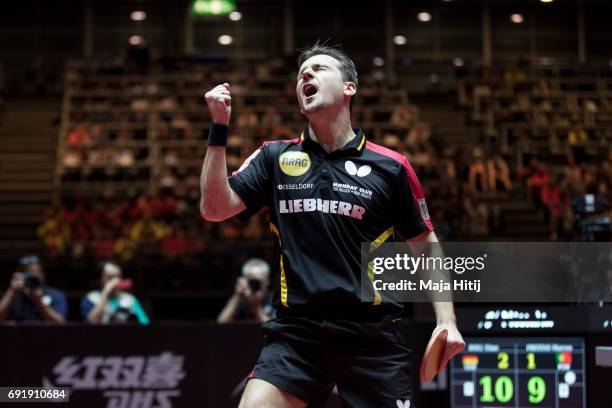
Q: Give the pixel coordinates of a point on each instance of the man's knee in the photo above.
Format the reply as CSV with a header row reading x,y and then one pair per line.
x,y
262,394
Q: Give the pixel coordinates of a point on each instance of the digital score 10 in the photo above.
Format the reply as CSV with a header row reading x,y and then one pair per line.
x,y
520,372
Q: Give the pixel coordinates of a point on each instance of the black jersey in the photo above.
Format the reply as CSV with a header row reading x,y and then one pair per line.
x,y
322,206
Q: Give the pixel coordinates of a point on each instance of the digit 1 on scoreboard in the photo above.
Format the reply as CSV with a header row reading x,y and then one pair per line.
x,y
531,364
487,389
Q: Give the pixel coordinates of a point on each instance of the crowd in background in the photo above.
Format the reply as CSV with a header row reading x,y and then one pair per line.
x,y
132,152
557,122
119,228
108,141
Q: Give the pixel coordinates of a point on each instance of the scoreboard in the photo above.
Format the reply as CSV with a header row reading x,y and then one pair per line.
x,y
520,372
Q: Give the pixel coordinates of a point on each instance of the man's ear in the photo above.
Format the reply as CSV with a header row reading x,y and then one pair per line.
x,y
350,88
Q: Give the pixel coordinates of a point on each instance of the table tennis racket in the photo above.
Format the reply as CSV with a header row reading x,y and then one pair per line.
x,y
434,353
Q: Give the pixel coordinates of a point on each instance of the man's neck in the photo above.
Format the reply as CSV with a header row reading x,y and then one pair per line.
x,y
332,133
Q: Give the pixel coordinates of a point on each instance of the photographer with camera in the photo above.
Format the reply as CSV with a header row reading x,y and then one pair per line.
x,y
590,211
251,299
112,304
28,298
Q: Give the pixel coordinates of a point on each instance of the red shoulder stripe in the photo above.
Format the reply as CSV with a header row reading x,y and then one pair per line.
x,y
415,185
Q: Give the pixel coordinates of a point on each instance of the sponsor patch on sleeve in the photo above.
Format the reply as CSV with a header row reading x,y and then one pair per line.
x,y
423,209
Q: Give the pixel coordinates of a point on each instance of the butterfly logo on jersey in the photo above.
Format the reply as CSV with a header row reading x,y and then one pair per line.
x,y
405,404
351,168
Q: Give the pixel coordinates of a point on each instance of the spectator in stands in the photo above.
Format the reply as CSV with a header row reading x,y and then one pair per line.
x,y
171,158
247,118
29,298
231,229
124,158
575,140
54,232
403,116
367,119
79,137
477,173
556,204
255,227
590,112
112,304
147,229
174,245
251,299
521,107
180,125
498,173
560,121
167,179
167,107
542,87
163,131
72,161
102,244
99,135
577,134
538,116
476,216
513,76
271,118
537,180
234,152
196,245
573,177
419,147
125,246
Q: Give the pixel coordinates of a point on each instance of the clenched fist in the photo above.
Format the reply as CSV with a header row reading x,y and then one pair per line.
x,y
219,101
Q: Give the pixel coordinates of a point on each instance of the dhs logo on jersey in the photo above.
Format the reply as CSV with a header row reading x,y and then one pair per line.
x,y
294,163
351,168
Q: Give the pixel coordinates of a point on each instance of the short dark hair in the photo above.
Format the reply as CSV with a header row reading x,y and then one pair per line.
x,y
347,67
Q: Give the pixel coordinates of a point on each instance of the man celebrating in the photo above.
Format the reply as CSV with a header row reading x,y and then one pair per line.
x,y
327,192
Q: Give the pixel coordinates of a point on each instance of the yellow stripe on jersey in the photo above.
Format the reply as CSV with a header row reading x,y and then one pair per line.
x,y
275,232
283,277
373,246
283,284
377,298
362,142
381,238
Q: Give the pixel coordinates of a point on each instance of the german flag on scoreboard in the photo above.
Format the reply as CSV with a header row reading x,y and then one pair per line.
x,y
564,357
470,362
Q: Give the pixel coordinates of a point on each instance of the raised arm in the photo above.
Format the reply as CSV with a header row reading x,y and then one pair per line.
x,y
218,201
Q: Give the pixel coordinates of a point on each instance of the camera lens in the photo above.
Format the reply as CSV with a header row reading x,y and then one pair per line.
x,y
255,285
31,281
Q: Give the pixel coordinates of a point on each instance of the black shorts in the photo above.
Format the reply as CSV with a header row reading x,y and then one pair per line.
x,y
368,361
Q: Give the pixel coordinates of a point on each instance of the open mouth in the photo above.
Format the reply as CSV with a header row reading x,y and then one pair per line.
x,y
309,90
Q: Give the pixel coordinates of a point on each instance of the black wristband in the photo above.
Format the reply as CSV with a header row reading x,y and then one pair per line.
x,y
217,134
